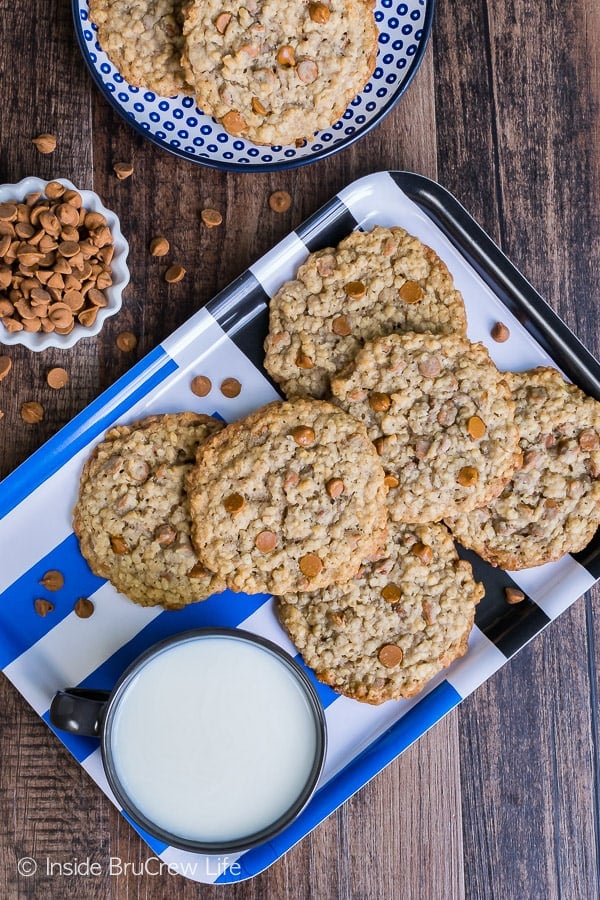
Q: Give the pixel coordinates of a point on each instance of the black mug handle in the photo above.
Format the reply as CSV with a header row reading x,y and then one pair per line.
x,y
79,711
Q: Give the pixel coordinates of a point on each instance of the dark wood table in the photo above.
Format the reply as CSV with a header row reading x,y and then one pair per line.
x,y
501,799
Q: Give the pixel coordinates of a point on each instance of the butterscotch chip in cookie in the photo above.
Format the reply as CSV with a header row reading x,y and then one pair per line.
x,y
551,506
132,515
273,73
289,533
344,296
420,416
144,40
386,633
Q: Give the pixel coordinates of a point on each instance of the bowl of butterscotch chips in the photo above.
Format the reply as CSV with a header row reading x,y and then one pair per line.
x,y
63,263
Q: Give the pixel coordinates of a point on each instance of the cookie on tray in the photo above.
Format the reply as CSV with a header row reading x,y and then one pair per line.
x,y
373,283
389,631
290,498
132,517
552,504
275,72
442,419
144,40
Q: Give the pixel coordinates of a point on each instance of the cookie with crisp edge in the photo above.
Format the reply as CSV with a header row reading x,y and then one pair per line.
x,y
290,498
385,634
132,517
275,72
441,416
551,506
144,40
373,283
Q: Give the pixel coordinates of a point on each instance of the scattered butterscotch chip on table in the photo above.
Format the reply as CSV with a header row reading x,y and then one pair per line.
x,y
57,377
159,246
201,385
45,143
280,201
230,388
32,412
43,606
5,366
83,608
53,580
123,170
211,217
174,274
513,595
126,341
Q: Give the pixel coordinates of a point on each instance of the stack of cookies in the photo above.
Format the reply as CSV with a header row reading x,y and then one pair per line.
x,y
272,72
342,501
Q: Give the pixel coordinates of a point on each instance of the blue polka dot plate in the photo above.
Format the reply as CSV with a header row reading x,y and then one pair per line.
x,y
178,126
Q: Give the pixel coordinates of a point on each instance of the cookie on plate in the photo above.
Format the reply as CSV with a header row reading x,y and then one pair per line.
x,y
552,504
290,498
387,632
373,283
274,72
441,416
144,40
132,517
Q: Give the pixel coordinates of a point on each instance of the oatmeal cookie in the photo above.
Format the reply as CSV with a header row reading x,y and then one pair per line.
x,y
552,505
132,517
144,40
373,283
387,632
275,72
441,417
290,498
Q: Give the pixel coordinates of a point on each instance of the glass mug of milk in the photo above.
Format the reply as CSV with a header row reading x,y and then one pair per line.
x,y
213,740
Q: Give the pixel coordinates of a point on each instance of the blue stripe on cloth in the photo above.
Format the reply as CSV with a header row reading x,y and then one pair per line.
x,y
401,735
20,625
89,424
224,610
326,694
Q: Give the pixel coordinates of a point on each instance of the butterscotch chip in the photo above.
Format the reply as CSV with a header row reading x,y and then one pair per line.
x,y
284,488
45,143
234,503
335,487
476,428
57,378
373,266
421,434
123,170
132,515
379,402
93,220
87,317
390,655
500,332
126,341
159,246
211,217
303,435
83,607
280,201
98,298
391,481
551,506
8,212
32,412
5,366
303,361
301,70
230,388
54,190
174,274
68,248
513,595
52,580
423,612
311,565
43,606
265,541
411,292
201,385
341,326
423,551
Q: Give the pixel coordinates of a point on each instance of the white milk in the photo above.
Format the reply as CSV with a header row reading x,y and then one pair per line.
x,y
213,740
